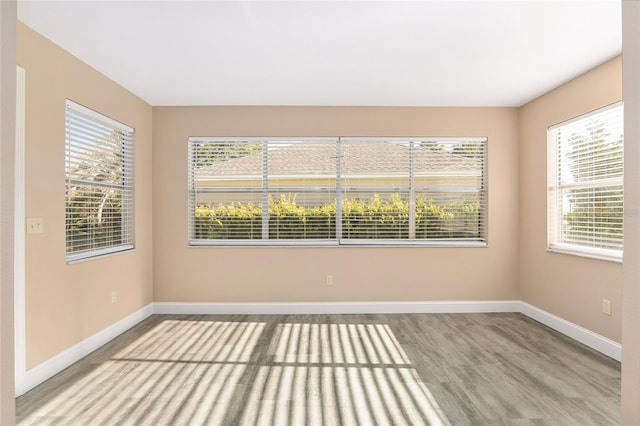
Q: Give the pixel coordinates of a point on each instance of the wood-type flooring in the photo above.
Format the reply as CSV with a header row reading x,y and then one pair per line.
x,y
400,369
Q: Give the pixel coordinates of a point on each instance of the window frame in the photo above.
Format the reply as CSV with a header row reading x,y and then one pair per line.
x,y
556,242
339,194
125,150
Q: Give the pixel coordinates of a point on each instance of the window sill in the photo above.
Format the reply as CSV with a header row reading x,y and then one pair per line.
x,y
351,243
592,253
98,254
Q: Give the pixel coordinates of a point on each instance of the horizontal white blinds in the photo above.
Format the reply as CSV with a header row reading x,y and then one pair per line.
x,y
301,190
403,189
254,189
345,190
586,180
99,184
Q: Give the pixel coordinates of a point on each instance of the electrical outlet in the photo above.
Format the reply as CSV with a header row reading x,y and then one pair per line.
x,y
606,307
114,296
34,225
329,279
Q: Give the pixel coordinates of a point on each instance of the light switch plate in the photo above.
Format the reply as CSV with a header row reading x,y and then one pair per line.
x,y
34,225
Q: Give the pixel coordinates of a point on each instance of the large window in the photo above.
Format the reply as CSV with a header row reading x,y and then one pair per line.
x,y
585,184
99,184
338,191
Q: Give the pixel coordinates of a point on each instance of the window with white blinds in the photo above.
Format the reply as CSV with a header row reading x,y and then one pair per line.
x,y
586,184
337,191
99,184
417,190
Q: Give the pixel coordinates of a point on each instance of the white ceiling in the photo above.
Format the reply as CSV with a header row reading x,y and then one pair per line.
x,y
413,53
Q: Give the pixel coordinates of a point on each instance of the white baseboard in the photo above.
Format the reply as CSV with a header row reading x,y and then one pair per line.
x,y
52,366
587,337
337,307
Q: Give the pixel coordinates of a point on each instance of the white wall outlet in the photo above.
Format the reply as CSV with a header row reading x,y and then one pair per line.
x,y
114,296
34,225
606,307
329,279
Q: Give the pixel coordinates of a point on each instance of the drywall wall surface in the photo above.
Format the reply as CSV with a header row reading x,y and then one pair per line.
x,y
298,274
66,303
568,286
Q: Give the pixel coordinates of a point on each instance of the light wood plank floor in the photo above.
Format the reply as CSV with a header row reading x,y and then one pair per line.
x,y
460,369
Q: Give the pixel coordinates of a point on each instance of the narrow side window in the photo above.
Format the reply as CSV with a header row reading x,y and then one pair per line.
x,y
99,184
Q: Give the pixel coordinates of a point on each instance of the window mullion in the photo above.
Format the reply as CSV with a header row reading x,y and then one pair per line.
x,y
338,191
265,191
412,193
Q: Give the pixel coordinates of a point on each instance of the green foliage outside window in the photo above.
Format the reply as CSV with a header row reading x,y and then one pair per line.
x,y
596,214
94,218
373,218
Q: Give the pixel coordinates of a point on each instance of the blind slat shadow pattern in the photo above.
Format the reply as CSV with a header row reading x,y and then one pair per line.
x,y
319,374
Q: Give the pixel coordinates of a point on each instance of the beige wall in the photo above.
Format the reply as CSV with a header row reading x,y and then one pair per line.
x,y
268,274
570,287
66,303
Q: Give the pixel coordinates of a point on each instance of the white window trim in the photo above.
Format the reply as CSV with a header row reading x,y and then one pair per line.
x,y
120,248
338,241
97,116
590,252
79,257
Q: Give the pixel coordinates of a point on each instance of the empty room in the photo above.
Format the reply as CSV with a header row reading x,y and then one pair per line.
x,y
320,212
